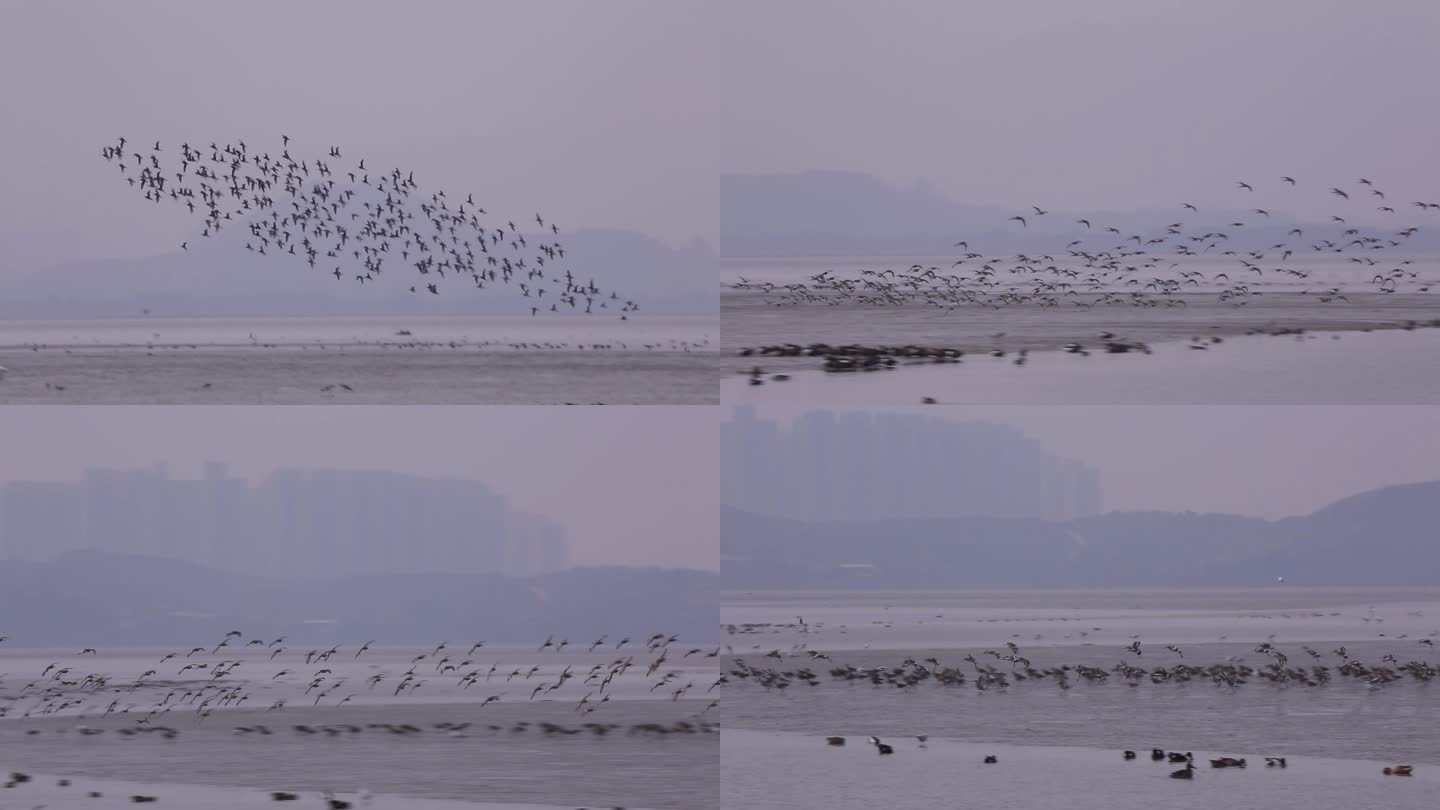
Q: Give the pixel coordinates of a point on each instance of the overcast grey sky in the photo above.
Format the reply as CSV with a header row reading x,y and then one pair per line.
x,y
632,485
1097,105
1262,461
595,113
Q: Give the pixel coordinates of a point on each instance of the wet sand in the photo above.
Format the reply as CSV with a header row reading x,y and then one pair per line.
x,y
243,376
382,360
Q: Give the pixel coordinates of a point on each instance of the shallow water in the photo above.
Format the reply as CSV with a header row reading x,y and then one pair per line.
x,y
768,770
661,360
671,770
1382,367
896,620
646,770
1343,719
1240,370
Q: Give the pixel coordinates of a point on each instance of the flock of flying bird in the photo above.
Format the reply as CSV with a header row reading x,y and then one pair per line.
x,y
1153,269
204,679
356,222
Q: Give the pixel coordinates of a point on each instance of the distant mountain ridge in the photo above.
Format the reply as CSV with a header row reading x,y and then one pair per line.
x,y
90,597
838,213
220,278
1379,538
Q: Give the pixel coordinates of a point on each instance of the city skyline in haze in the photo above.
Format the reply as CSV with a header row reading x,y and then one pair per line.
x,y
861,465
293,522
631,486
1265,461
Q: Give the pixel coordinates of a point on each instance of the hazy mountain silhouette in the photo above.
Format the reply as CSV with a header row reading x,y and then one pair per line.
x,y
92,598
837,213
1377,538
219,277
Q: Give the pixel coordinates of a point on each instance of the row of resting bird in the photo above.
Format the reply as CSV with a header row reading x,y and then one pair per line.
x,y
1160,268
200,683
356,222
1232,672
449,729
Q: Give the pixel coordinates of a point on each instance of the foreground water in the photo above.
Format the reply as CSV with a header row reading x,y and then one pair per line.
x,y
1361,724
652,748
382,360
763,770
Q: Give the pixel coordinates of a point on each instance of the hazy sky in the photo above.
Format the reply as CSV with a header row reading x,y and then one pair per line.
x,y
632,485
622,113
596,114
1263,461
1105,104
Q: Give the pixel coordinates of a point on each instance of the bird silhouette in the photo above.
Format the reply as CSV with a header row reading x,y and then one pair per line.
x,y
301,207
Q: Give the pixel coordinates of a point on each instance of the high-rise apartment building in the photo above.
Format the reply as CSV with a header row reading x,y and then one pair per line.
x,y
306,522
861,466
